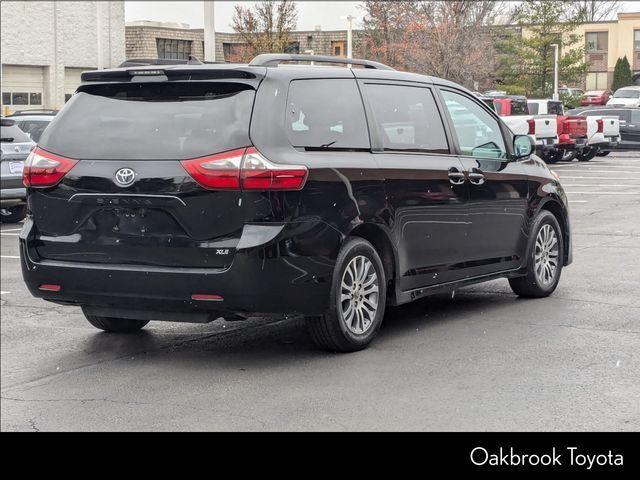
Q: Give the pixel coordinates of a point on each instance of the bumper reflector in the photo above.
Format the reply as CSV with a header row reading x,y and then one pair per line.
x,y
47,287
206,297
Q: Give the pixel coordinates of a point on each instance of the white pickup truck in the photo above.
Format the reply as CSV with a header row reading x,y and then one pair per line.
x,y
543,129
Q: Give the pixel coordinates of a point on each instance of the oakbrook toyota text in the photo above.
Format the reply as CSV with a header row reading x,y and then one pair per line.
x,y
556,457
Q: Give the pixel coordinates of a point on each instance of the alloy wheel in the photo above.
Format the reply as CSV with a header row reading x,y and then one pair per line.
x,y
547,252
359,291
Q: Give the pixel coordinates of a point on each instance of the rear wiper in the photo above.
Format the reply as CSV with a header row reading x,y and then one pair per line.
x,y
327,145
6,140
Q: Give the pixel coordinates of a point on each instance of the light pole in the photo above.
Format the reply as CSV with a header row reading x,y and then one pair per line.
x,y
209,32
556,49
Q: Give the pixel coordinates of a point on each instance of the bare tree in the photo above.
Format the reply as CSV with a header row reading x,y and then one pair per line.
x,y
597,10
264,28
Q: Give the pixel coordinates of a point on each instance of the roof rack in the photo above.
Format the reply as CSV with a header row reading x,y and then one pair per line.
x,y
141,62
35,111
274,59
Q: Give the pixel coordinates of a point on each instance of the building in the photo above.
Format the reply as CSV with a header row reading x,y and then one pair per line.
x,y
605,42
46,45
146,39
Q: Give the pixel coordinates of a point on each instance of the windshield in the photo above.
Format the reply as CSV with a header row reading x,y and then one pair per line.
x,y
13,134
152,121
627,94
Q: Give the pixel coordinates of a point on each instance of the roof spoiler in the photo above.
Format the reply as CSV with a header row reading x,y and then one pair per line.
x,y
34,111
274,59
141,62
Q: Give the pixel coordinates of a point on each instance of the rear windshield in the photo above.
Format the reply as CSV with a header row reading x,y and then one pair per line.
x,y
34,128
13,134
152,121
627,94
533,108
555,108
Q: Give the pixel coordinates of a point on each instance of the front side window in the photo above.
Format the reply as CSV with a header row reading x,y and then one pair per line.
x,y
478,132
407,118
326,114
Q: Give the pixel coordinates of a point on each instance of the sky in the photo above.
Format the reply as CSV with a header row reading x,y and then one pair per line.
x,y
310,13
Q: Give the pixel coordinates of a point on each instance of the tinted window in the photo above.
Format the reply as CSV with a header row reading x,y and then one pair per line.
x,y
555,108
478,132
140,121
13,134
519,107
326,114
533,108
407,118
34,128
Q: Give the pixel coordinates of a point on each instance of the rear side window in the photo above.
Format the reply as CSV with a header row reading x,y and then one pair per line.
x,y
152,121
326,114
407,118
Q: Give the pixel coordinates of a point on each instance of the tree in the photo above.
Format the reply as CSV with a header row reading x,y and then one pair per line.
x,y
448,39
264,28
526,59
597,10
622,74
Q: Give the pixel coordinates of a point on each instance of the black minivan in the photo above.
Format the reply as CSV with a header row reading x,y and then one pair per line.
x,y
190,192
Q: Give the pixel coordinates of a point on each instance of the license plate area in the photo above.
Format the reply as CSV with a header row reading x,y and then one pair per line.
x,y
16,167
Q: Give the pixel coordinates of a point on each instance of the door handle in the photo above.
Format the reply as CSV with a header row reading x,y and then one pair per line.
x,y
476,176
456,177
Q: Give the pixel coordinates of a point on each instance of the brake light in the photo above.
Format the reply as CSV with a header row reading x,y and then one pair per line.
x,y
258,173
45,169
244,168
600,126
532,126
216,172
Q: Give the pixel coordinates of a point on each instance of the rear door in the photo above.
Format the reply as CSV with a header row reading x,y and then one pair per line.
x,y
497,186
129,198
424,182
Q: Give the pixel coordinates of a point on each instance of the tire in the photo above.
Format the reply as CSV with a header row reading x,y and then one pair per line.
x,y
553,156
115,325
587,154
569,155
600,153
533,284
13,214
344,328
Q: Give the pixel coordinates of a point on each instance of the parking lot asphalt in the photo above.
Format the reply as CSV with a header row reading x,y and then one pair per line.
x,y
483,360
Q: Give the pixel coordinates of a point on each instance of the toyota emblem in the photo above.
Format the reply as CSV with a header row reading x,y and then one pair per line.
x,y
125,177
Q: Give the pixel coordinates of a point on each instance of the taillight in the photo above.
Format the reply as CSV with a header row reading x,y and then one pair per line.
x,y
44,169
600,126
244,168
258,173
532,126
217,172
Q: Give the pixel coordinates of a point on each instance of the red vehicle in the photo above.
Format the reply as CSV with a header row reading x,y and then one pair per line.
x,y
595,97
572,138
513,105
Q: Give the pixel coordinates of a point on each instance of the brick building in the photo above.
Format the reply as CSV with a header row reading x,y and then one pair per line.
x,y
146,39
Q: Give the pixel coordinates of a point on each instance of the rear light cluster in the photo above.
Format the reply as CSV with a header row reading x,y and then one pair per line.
x,y
532,126
600,125
44,169
246,169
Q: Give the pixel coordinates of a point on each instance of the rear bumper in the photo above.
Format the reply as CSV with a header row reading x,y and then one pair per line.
x,y
12,196
277,277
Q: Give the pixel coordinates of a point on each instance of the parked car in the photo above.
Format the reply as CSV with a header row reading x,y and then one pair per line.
x,y
573,92
187,192
629,125
33,122
572,139
603,133
595,97
625,97
15,147
542,129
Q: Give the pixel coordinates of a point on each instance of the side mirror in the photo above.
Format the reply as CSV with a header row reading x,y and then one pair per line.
x,y
523,146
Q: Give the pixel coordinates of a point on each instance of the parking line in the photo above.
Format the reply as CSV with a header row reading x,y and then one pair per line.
x,y
562,177
598,185
9,256
10,234
603,193
3,293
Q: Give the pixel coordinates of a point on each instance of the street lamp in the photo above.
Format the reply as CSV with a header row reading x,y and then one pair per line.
x,y
556,49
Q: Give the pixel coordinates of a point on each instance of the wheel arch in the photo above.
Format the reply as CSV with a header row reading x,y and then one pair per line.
x,y
381,241
559,211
